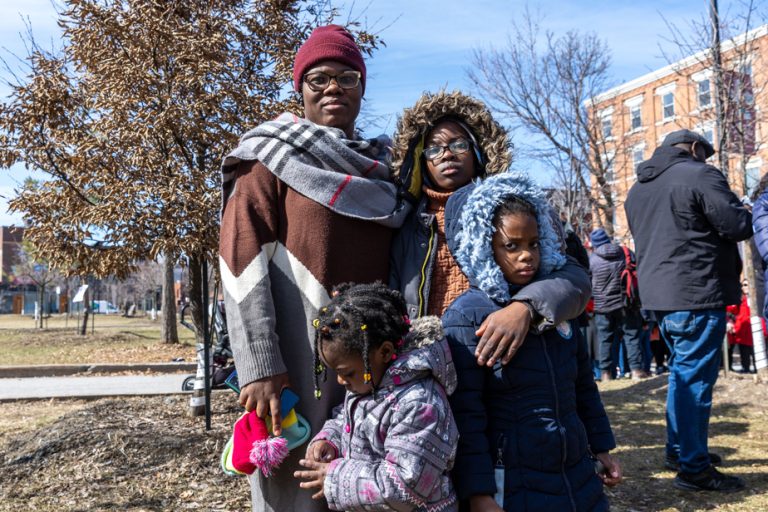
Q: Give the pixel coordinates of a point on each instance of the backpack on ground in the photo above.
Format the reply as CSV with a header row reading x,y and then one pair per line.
x,y
630,290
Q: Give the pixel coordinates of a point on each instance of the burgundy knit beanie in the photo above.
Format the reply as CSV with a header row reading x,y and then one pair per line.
x,y
331,42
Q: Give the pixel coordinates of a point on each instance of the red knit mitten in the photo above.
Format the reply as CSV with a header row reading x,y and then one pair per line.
x,y
253,448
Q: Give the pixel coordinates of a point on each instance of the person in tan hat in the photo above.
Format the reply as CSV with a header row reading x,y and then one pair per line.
x,y
305,201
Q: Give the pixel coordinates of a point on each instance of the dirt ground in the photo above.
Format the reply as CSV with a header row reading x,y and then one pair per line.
x,y
146,454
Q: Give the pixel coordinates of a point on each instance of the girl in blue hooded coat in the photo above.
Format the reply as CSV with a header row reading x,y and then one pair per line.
x,y
533,434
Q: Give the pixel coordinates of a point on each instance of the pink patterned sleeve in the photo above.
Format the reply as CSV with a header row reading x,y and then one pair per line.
x,y
420,448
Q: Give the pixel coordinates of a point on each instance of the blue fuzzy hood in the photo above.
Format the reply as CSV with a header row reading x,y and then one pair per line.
x,y
469,229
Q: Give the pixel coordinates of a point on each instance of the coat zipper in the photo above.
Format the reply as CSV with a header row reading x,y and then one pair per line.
x,y
559,424
422,300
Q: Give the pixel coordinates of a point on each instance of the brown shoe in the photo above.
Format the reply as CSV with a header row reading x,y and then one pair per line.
x,y
606,375
639,374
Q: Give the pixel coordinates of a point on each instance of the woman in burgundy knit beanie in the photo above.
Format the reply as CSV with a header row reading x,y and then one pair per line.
x,y
331,42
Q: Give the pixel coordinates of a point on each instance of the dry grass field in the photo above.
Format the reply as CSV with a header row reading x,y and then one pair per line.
x,y
109,339
143,454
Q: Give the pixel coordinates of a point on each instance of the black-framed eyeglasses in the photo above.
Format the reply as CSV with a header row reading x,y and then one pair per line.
x,y
456,147
319,81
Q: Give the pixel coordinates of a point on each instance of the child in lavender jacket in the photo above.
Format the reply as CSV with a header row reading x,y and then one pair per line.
x,y
392,443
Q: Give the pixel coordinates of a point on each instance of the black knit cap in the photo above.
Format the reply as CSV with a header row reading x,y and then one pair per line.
x,y
688,137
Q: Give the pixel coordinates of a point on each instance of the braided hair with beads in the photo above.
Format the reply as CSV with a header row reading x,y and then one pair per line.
x,y
361,317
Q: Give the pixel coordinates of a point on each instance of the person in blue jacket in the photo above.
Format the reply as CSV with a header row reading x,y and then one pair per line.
x,y
760,227
529,431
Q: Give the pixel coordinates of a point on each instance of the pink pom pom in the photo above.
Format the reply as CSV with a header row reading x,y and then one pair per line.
x,y
267,454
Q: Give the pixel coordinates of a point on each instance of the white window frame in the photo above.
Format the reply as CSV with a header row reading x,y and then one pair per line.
x,y
606,118
753,178
671,105
635,149
662,92
701,104
635,104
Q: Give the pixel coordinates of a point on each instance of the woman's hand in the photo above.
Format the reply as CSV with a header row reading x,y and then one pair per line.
x,y
502,333
315,476
263,395
611,473
321,451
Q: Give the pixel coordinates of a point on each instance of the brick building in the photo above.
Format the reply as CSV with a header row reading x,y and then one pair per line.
x,y
634,117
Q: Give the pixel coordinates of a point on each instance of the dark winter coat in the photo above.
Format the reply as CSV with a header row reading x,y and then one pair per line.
x,y
760,226
540,415
685,222
606,264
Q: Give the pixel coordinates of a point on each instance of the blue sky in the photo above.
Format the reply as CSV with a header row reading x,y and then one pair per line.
x,y
429,44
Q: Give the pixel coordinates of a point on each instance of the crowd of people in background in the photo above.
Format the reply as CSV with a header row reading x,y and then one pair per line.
x,y
451,304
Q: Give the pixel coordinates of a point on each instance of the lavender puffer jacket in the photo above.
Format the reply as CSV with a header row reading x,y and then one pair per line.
x,y
396,447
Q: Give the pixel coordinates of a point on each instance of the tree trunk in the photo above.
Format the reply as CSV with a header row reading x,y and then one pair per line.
x,y
86,310
197,400
169,332
41,298
196,296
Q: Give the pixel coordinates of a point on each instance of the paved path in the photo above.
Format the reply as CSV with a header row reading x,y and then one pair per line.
x,y
55,387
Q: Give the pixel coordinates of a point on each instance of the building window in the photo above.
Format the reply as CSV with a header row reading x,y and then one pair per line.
x,y
704,94
634,118
752,178
668,105
610,176
607,128
637,157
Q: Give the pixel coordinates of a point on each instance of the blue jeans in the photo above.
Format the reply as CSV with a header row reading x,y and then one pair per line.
x,y
694,339
612,327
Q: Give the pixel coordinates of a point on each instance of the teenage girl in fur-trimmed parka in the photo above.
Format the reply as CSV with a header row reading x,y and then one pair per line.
x,y
430,163
528,430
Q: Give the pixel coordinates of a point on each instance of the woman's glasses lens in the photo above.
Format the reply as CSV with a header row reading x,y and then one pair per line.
x,y
319,81
456,147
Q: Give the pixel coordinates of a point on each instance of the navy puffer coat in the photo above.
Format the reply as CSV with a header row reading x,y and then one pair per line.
x,y
760,226
540,415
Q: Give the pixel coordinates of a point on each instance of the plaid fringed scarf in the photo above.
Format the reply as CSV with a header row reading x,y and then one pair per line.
x,y
350,177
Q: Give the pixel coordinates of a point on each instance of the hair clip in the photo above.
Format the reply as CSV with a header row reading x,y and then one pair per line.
x,y
367,377
363,327
318,394
407,320
394,356
325,330
320,368
324,310
337,321
316,323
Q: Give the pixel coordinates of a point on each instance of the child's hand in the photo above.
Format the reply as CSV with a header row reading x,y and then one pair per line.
x,y
321,451
315,477
502,333
611,473
483,503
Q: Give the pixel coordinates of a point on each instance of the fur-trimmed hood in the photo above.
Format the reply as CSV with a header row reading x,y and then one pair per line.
x,y
469,230
424,352
415,122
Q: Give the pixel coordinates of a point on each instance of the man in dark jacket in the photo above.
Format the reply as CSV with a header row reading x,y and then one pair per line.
x,y
613,321
686,221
